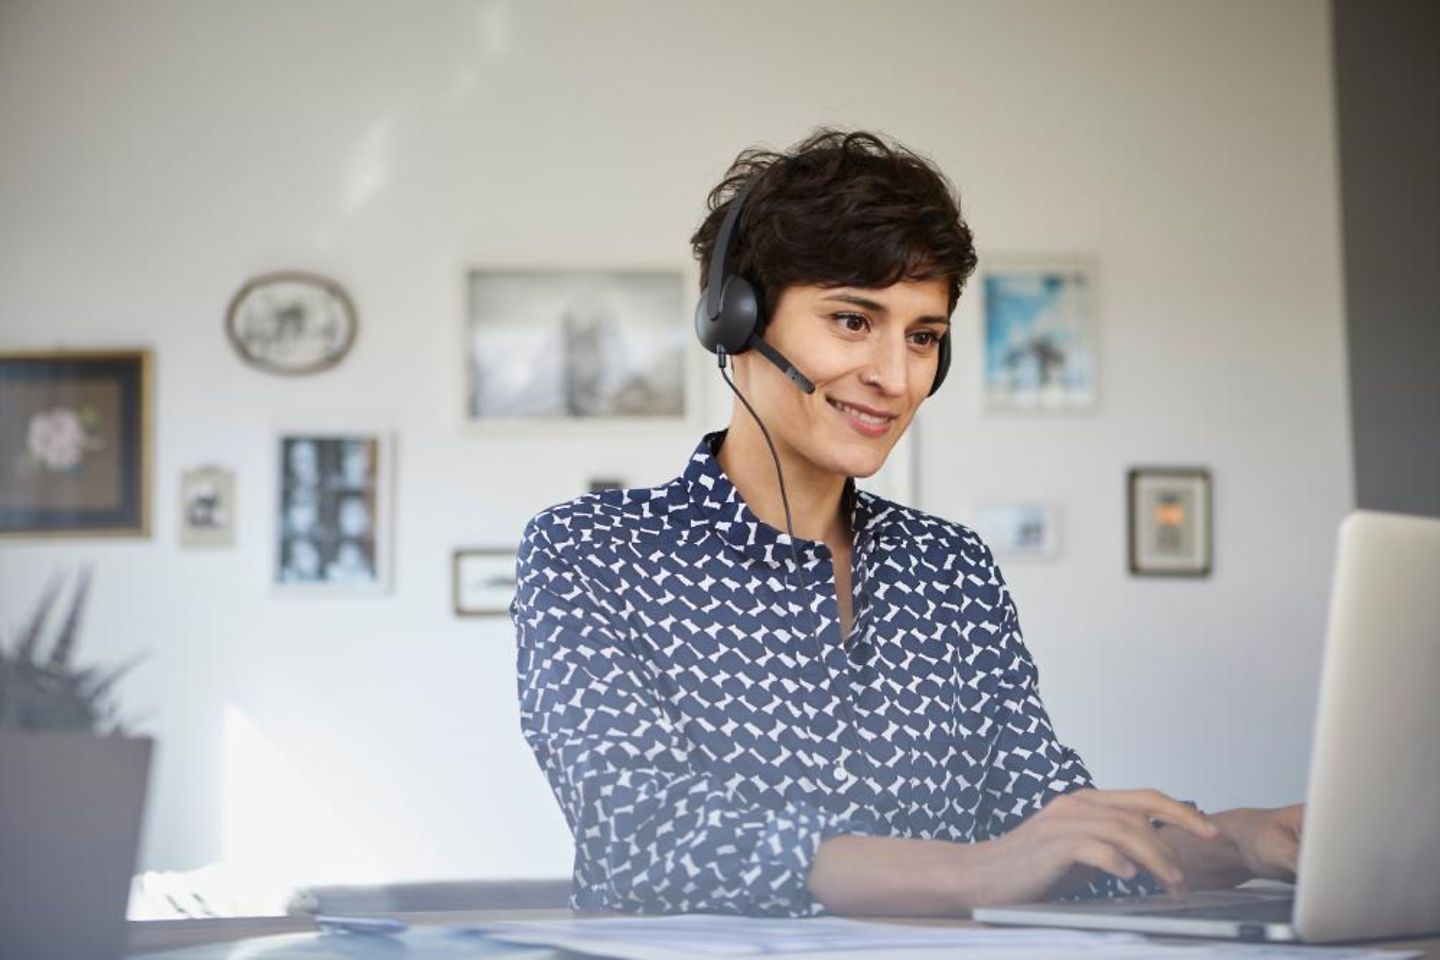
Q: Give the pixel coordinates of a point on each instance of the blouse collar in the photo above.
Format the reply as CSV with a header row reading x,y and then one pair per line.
x,y
720,507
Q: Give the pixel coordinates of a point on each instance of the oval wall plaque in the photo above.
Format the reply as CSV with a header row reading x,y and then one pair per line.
x,y
291,323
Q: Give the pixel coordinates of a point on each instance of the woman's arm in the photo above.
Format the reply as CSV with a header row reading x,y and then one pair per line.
x,y
1057,850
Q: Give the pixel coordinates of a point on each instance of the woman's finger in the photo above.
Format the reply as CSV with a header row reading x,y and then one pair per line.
x,y
1160,806
1139,843
1104,856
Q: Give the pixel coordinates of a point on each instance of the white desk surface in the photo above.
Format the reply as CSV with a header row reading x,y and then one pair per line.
x,y
149,936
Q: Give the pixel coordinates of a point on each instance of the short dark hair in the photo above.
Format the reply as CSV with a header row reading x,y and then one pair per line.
x,y
840,209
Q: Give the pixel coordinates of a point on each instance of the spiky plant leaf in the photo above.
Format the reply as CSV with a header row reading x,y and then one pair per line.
x,y
50,694
30,635
65,642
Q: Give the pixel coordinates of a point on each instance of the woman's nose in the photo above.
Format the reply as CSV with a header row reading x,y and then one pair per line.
x,y
888,369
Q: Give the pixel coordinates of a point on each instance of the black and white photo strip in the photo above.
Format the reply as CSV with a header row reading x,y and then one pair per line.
x,y
332,512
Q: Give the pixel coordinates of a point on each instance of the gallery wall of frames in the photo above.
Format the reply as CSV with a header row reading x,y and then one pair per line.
x,y
543,347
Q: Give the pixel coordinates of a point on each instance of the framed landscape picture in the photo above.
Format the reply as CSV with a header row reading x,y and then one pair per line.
x,y
572,345
1020,529
75,443
483,582
1170,522
1038,325
333,512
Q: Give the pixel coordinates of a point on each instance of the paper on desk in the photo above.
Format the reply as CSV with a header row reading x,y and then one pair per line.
x,y
707,935
418,943
837,938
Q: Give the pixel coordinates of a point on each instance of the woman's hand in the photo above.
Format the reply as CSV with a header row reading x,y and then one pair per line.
x,y
1074,840
1076,835
1268,840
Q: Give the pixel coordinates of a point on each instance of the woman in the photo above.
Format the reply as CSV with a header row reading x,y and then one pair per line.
x,y
844,717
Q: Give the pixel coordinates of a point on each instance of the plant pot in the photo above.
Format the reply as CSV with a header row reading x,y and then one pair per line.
x,y
70,812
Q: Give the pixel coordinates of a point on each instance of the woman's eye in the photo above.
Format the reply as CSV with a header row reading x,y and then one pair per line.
x,y
853,322
925,338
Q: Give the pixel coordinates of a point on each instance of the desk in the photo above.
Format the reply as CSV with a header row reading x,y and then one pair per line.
x,y
148,936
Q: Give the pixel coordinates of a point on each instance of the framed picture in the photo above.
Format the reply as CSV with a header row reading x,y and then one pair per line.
x,y
75,443
1170,522
291,323
1039,334
1020,530
484,582
207,508
333,512
576,344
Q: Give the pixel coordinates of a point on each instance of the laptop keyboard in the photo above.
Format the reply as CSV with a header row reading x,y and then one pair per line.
x,y
1268,911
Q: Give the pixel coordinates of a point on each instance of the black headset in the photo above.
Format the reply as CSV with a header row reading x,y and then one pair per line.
x,y
730,319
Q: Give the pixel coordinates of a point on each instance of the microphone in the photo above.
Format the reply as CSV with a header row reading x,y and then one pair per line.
x,y
778,358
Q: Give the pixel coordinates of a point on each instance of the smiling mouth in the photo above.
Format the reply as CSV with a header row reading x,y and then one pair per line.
x,y
874,420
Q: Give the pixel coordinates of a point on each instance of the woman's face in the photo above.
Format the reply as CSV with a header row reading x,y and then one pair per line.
x,y
872,355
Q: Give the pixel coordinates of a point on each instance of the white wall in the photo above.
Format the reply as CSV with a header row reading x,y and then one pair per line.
x,y
154,155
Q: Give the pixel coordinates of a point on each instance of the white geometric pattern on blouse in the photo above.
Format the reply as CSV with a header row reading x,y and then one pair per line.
x,y
689,699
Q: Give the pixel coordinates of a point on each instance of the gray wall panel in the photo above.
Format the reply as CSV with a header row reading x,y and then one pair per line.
x,y
1388,95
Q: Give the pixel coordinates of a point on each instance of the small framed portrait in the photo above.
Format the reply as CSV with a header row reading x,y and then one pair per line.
x,y
75,444
576,345
1038,325
207,508
333,512
484,582
1024,530
1170,522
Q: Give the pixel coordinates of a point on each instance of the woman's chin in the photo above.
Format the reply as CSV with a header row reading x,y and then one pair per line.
x,y
860,463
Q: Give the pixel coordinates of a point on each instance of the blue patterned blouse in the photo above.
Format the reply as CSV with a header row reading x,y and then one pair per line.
x,y
688,695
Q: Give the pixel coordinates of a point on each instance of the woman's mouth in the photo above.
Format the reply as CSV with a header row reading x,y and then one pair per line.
x,y
871,423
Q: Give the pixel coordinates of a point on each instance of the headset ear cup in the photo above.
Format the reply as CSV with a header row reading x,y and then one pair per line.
x,y
739,313
942,365
704,326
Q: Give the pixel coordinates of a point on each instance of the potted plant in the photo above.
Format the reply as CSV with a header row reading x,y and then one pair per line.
x,y
72,790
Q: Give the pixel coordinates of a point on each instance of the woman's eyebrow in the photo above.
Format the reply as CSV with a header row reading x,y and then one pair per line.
x,y
879,307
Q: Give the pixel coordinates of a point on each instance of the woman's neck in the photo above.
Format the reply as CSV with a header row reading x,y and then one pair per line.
x,y
814,495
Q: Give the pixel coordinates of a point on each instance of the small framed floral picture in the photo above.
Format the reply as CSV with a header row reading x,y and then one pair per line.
x,y
1170,522
75,446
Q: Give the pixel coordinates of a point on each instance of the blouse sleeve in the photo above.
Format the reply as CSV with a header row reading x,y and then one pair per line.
x,y
1029,766
653,832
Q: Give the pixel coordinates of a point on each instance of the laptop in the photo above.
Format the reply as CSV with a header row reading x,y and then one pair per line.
x,y
70,813
1370,857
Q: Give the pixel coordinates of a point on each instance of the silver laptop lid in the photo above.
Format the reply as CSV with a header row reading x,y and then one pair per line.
x,y
1370,850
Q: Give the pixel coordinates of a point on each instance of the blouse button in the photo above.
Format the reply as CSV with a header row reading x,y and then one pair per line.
x,y
841,775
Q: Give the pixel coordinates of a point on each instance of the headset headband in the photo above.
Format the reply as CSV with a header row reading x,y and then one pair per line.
x,y
720,255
